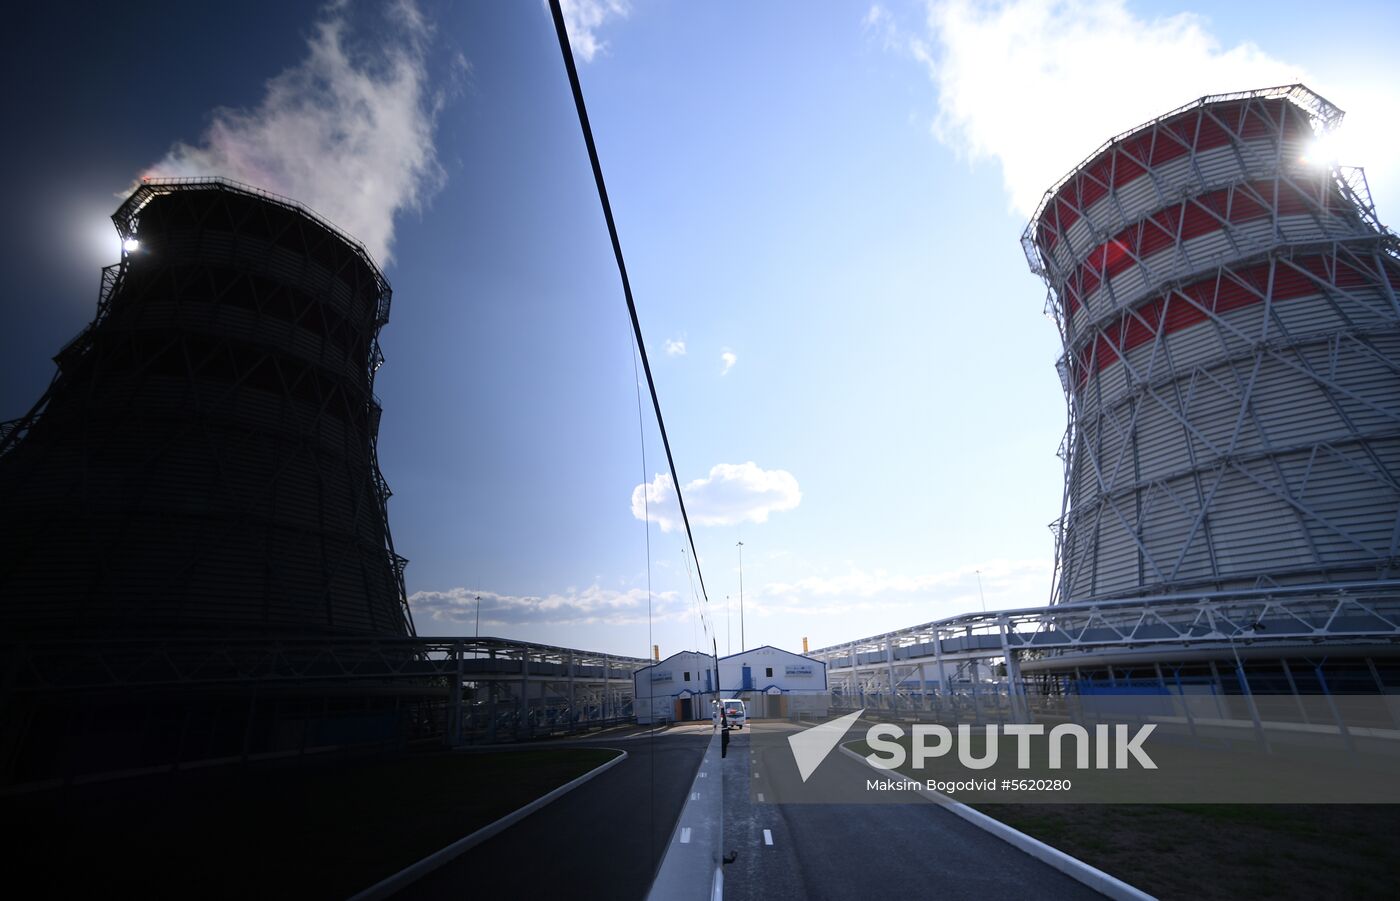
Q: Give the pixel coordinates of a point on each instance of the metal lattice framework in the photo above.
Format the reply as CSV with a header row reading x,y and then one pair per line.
x,y
205,459
1231,357
76,707
911,665
91,665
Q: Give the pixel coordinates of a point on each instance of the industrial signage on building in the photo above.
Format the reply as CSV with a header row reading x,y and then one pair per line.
x,y
798,669
661,677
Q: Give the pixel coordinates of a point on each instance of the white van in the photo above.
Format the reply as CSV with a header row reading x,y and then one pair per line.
x,y
734,712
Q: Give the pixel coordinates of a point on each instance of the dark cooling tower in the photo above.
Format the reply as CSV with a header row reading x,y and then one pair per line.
x,y
1231,356
204,460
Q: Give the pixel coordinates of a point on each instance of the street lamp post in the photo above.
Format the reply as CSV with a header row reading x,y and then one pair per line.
x,y
743,646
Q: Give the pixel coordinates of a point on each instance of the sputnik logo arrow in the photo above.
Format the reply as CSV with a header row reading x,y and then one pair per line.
x,y
811,747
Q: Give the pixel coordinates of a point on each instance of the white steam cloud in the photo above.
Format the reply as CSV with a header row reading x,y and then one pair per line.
x,y
347,133
1039,84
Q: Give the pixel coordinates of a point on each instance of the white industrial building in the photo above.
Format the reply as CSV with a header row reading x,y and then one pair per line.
x,y
775,683
677,689
772,683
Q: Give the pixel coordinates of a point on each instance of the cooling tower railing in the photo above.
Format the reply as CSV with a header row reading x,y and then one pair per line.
x,y
1323,112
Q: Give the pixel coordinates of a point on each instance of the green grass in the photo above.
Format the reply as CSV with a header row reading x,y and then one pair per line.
x,y
1226,850
322,831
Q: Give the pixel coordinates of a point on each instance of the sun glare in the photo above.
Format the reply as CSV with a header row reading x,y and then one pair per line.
x,y
1322,151
1333,148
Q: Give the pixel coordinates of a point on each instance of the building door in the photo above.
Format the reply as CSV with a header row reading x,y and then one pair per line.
x,y
686,711
748,679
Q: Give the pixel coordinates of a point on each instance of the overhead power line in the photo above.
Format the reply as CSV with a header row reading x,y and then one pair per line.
x,y
568,54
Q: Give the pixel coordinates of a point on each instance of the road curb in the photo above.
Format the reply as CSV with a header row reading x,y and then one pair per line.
x,y
1073,867
413,872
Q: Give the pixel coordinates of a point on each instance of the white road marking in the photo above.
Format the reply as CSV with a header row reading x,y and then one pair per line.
x,y
703,774
755,774
695,796
767,836
760,796
685,835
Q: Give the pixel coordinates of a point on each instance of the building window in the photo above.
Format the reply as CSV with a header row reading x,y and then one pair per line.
x,y
770,672
687,676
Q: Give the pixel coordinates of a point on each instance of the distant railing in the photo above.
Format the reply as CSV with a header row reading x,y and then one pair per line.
x,y
48,665
1313,613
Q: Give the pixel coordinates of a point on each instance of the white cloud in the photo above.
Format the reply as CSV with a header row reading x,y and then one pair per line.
x,y
880,599
730,494
675,348
727,360
572,606
880,22
1039,84
583,18
907,600
348,132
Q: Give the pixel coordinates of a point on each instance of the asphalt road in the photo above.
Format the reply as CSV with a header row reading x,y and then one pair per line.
x,y
607,838
890,849
604,839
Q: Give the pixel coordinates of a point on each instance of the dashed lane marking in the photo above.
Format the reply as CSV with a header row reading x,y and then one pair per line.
x,y
767,836
685,835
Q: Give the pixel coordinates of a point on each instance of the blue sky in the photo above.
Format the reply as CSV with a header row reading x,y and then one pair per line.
x,y
822,204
